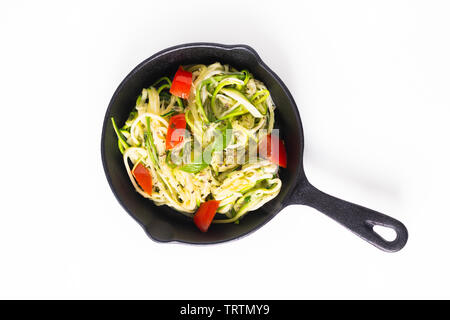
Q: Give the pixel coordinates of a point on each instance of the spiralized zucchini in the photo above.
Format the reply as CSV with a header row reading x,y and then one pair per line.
x,y
227,113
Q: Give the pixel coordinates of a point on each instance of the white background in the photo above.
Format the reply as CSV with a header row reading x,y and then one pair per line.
x,y
371,79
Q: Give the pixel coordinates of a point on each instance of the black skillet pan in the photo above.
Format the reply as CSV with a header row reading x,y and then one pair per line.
x,y
165,224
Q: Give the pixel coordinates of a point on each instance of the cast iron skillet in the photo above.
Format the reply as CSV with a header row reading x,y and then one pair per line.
x,y
165,224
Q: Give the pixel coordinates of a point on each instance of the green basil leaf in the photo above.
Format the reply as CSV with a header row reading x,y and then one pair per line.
x,y
194,167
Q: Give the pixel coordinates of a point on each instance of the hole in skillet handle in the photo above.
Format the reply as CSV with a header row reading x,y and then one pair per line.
x,y
388,234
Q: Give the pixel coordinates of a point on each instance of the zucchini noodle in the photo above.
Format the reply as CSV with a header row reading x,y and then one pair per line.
x,y
227,113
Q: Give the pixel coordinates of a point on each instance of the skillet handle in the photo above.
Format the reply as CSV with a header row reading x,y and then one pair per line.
x,y
358,219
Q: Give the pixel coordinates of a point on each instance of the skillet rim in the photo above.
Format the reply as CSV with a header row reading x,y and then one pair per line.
x,y
299,174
